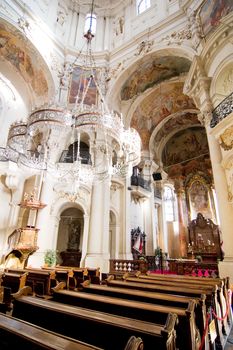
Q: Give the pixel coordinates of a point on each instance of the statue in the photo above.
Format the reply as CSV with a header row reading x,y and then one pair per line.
x,y
74,237
137,243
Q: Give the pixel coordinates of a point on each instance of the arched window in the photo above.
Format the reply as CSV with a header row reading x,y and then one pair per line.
x,y
142,5
169,202
90,23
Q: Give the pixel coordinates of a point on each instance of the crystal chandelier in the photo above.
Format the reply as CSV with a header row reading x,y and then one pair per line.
x,y
36,144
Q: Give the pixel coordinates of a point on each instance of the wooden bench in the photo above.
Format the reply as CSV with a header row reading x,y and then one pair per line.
x,y
189,283
18,334
178,278
138,310
212,298
73,276
39,280
14,281
171,283
107,331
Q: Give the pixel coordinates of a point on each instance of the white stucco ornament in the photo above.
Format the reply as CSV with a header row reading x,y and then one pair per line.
x,y
12,181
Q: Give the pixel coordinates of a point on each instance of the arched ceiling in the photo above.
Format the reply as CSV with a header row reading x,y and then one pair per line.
x,y
187,152
25,59
152,72
162,102
185,145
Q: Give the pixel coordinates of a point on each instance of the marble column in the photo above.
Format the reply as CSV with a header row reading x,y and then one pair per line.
x,y
126,227
86,219
98,239
179,189
224,206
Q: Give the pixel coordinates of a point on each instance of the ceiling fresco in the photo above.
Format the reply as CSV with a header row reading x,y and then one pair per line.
x,y
211,13
182,121
153,72
156,107
13,49
184,146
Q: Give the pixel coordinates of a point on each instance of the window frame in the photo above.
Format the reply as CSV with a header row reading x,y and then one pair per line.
x,y
171,201
90,23
142,6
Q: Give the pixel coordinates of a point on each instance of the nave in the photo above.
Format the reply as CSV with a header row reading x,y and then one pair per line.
x,y
130,312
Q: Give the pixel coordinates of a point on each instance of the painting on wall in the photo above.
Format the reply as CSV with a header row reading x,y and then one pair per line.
x,y
212,12
153,72
185,146
14,50
81,80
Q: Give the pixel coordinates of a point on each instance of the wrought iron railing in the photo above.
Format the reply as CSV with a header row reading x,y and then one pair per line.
x,y
222,110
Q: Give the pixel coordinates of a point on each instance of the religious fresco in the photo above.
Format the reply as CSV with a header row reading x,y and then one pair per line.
x,y
212,12
156,107
153,72
185,145
79,80
13,49
175,122
199,198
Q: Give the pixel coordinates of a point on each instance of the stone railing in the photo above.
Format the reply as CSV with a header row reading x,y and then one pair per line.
x,y
122,266
174,266
118,266
222,110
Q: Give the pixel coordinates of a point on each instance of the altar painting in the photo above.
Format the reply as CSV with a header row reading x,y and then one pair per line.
x,y
79,81
199,199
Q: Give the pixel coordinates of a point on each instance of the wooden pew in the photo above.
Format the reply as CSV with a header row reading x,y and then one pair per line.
x,y
62,273
151,297
177,277
14,281
138,310
41,281
212,297
222,297
171,283
107,331
18,334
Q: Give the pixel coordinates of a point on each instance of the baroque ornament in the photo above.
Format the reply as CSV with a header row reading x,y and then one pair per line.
x,y
144,47
226,139
178,37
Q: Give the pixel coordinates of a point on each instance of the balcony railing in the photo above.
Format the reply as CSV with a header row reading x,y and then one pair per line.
x,y
222,110
139,181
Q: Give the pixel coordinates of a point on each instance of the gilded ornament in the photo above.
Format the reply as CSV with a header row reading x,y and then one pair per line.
x,y
226,139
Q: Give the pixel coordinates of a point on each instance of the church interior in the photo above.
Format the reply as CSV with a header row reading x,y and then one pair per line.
x,y
116,168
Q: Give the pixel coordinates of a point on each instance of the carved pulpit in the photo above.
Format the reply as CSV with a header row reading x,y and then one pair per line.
x,y
204,239
22,242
